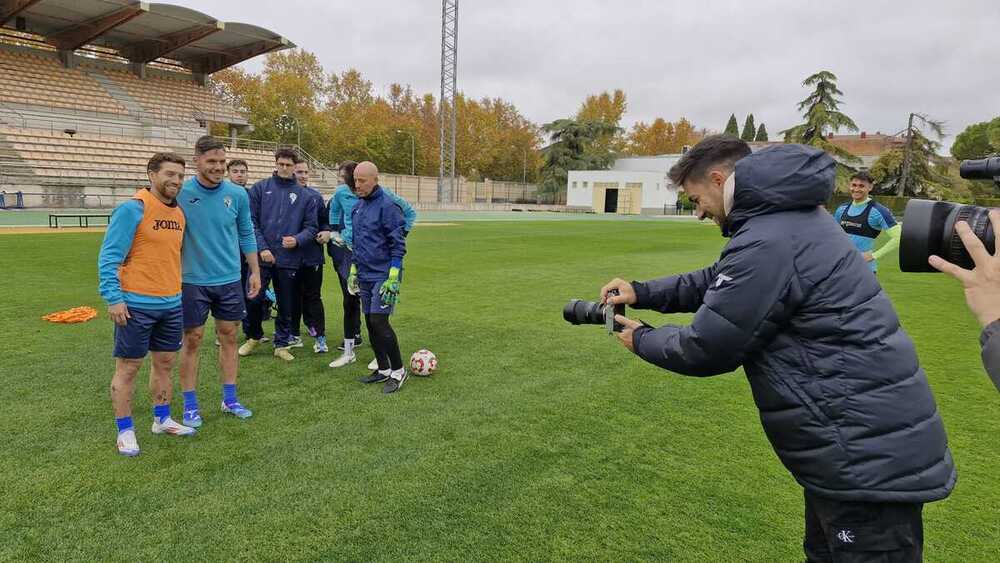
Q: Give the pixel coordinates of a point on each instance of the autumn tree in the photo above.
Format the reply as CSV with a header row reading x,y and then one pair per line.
x,y
661,137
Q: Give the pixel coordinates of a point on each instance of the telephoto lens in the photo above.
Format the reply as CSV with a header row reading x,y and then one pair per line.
x,y
929,229
982,169
580,312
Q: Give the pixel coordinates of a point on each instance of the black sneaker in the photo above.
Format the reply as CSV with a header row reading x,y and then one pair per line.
x,y
357,343
393,385
374,377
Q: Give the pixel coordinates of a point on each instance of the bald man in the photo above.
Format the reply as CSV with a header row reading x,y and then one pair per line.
x,y
377,264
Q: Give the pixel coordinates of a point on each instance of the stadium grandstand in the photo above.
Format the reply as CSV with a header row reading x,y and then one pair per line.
x,y
89,89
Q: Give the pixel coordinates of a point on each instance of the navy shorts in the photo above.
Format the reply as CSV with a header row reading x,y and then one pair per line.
x,y
225,301
371,301
149,330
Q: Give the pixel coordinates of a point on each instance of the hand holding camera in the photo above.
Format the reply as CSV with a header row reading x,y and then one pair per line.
x,y
982,284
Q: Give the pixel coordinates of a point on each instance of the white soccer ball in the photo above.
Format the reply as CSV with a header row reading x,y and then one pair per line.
x,y
423,362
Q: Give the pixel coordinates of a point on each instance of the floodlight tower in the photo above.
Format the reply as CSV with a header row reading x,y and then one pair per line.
x,y
446,112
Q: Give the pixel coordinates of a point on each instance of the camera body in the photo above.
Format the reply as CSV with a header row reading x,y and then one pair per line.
x,y
579,312
929,226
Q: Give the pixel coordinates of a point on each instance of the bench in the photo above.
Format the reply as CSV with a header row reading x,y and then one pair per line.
x,y
83,219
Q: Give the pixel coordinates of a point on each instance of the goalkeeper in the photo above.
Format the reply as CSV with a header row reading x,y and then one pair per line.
x,y
379,245
864,220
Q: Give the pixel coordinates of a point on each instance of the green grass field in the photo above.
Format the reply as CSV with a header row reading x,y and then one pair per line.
x,y
536,440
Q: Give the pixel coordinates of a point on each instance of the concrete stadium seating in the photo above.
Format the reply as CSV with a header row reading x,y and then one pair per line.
x,y
40,80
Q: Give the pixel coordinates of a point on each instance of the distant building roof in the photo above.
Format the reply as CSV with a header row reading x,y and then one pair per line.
x,y
867,144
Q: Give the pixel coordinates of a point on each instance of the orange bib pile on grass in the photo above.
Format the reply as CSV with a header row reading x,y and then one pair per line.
x,y
74,315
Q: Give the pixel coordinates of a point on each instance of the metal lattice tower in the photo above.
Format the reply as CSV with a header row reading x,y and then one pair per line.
x,y
446,112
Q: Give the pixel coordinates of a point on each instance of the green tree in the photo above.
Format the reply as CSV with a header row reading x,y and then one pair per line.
x,y
749,129
732,128
571,147
915,169
977,141
761,136
822,114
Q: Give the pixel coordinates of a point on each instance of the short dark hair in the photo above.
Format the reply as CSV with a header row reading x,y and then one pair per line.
x,y
711,151
286,152
156,162
237,162
864,176
207,143
348,169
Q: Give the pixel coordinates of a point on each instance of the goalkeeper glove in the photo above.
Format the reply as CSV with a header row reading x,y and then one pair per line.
x,y
352,281
390,288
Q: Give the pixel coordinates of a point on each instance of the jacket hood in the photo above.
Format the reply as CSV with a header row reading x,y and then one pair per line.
x,y
781,178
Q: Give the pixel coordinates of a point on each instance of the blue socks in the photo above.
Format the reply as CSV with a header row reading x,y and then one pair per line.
x,y
190,401
161,412
229,394
124,423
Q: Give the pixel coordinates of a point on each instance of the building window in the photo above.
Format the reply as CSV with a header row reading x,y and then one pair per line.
x,y
585,184
574,185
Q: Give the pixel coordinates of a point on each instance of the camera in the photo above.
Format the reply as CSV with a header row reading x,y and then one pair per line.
x,y
929,226
580,312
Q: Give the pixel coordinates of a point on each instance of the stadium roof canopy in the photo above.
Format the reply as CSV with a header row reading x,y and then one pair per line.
x,y
142,31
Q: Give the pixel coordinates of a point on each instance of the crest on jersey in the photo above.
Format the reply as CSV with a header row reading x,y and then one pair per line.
x,y
292,197
227,201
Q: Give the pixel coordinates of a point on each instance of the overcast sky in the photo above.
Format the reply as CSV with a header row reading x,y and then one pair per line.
x,y
697,59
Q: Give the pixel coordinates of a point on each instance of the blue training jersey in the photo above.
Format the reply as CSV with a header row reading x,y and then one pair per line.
x,y
342,206
880,219
117,243
219,228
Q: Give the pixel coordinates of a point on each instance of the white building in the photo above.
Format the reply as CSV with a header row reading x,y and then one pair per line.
x,y
634,185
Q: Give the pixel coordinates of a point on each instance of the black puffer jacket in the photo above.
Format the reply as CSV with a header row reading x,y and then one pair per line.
x,y
841,395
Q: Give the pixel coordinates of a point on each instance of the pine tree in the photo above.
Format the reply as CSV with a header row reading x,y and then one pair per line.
x,y
821,111
732,128
749,129
761,134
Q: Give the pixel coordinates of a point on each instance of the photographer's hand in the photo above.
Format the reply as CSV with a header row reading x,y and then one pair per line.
x,y
982,284
626,334
626,294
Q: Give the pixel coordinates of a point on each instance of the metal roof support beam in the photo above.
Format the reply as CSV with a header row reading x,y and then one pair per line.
x,y
213,63
10,8
149,51
79,35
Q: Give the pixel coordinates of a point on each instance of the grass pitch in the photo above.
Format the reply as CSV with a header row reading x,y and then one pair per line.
x,y
535,441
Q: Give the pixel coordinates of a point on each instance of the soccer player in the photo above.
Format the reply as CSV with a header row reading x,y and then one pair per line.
x,y
238,171
864,220
310,276
140,279
218,223
284,216
341,210
379,246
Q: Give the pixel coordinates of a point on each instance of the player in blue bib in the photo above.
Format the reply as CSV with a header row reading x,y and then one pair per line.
x,y
864,220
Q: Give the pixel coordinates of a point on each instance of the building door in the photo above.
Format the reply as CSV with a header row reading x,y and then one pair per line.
x,y
610,201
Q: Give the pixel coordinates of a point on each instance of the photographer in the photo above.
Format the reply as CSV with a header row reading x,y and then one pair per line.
x,y
841,395
982,290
